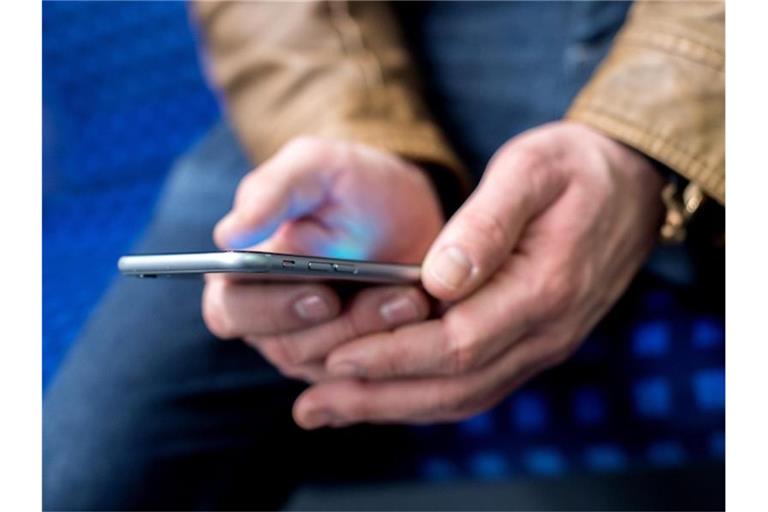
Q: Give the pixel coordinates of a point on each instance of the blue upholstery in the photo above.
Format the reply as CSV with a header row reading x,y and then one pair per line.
x,y
123,96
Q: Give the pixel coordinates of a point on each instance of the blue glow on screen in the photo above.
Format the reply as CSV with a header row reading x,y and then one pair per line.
x,y
345,249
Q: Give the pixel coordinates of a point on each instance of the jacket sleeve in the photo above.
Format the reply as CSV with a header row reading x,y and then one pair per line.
x,y
661,89
334,69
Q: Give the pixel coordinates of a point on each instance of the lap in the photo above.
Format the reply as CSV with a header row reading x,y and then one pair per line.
x,y
147,396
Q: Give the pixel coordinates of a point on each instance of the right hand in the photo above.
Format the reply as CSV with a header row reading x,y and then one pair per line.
x,y
327,198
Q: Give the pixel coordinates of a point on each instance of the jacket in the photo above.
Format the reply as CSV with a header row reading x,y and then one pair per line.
x,y
660,90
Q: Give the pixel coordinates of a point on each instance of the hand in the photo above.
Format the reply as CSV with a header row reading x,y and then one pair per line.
x,y
559,225
326,198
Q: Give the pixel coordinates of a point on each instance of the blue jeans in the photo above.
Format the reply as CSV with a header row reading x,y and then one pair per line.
x,y
150,411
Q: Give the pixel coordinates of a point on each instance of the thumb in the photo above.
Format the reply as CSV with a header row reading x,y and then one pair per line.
x,y
292,184
484,231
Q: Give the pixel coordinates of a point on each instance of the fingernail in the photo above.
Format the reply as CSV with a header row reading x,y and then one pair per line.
x,y
399,310
312,307
346,369
319,418
451,267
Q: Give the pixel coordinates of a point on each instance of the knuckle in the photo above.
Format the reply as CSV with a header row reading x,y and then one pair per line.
x,y
555,293
521,156
463,341
532,157
487,226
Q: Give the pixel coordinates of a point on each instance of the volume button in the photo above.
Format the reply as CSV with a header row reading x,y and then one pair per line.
x,y
319,266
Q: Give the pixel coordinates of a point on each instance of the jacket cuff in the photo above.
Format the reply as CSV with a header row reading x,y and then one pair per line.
x,y
711,178
661,91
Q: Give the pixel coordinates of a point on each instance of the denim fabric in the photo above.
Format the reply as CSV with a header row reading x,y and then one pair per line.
x,y
494,69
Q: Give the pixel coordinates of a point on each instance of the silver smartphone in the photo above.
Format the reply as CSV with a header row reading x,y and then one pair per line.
x,y
266,265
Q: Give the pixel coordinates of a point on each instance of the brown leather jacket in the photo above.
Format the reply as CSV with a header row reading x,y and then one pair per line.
x,y
340,69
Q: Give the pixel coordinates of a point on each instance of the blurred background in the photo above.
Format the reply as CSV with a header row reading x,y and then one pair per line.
x,y
123,96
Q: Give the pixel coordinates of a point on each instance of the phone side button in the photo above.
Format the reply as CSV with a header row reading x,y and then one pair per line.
x,y
319,266
344,269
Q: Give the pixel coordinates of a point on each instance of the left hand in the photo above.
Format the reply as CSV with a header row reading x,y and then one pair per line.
x,y
559,225
332,198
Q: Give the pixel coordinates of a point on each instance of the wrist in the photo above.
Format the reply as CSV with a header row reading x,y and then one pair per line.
x,y
680,198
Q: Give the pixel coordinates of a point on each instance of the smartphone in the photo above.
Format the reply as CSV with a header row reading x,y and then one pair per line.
x,y
267,265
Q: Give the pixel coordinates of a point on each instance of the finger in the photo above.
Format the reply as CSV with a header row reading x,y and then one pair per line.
x,y
372,310
233,309
469,335
414,401
480,236
290,185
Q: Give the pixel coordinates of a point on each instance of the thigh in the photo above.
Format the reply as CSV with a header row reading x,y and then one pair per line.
x,y
149,410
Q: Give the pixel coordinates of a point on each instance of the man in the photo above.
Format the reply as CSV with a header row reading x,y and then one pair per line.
x,y
354,163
